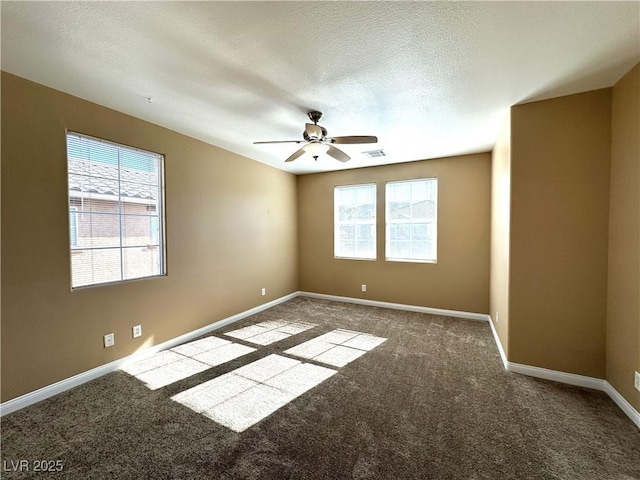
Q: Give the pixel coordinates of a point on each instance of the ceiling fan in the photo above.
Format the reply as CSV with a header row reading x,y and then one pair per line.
x,y
317,142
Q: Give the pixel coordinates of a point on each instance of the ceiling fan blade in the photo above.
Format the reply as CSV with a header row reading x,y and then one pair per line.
x,y
338,154
313,130
280,141
353,139
296,154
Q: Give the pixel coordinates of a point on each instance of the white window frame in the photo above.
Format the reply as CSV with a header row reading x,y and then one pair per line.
x,y
73,226
337,223
75,214
432,222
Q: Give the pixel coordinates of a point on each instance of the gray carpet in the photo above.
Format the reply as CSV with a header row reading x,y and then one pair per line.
x,y
432,402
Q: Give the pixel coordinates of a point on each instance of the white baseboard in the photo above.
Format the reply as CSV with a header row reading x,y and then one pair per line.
x,y
625,406
43,393
557,376
68,383
71,382
562,377
397,306
568,378
580,381
496,338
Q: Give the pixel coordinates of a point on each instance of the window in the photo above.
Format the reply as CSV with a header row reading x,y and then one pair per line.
x,y
116,212
354,224
411,220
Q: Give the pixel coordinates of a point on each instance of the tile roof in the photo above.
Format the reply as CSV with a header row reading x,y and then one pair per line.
x,y
94,177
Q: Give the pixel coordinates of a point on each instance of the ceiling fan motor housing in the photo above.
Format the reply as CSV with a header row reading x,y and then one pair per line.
x,y
316,137
315,116
314,132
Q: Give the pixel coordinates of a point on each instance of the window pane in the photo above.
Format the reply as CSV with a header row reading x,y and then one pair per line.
x,y
366,232
155,231
345,196
92,193
346,213
366,211
95,266
399,211
419,250
354,221
365,249
398,248
101,154
140,230
98,230
90,204
93,158
347,232
140,262
411,220
399,231
418,191
115,220
419,231
73,226
136,230
345,248
133,192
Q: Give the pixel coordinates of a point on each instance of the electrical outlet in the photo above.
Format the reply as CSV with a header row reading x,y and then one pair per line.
x,y
497,316
264,292
636,383
109,340
137,331
364,288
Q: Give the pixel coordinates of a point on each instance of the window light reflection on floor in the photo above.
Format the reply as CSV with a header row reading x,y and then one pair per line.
x,y
266,333
183,361
245,396
337,348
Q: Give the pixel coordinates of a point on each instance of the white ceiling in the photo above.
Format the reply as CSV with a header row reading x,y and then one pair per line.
x,y
430,79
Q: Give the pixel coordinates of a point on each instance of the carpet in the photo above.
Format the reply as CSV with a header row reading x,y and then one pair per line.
x,y
431,401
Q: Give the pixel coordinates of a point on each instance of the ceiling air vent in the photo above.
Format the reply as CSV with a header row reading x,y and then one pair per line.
x,y
374,153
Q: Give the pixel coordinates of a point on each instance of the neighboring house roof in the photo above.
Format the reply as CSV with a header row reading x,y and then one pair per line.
x,y
423,209
86,176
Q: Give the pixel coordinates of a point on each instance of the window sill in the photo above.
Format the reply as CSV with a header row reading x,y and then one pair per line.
x,y
408,260
355,258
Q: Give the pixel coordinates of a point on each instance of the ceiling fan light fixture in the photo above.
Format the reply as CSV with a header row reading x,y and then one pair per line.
x,y
318,143
316,149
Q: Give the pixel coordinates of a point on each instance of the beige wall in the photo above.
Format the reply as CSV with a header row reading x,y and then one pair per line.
x,y
500,232
560,161
231,229
460,279
623,300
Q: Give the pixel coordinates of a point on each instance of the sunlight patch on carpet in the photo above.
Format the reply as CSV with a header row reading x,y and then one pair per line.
x,y
269,332
242,398
183,361
336,348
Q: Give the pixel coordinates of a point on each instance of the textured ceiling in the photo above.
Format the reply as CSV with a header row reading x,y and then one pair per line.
x,y
430,79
